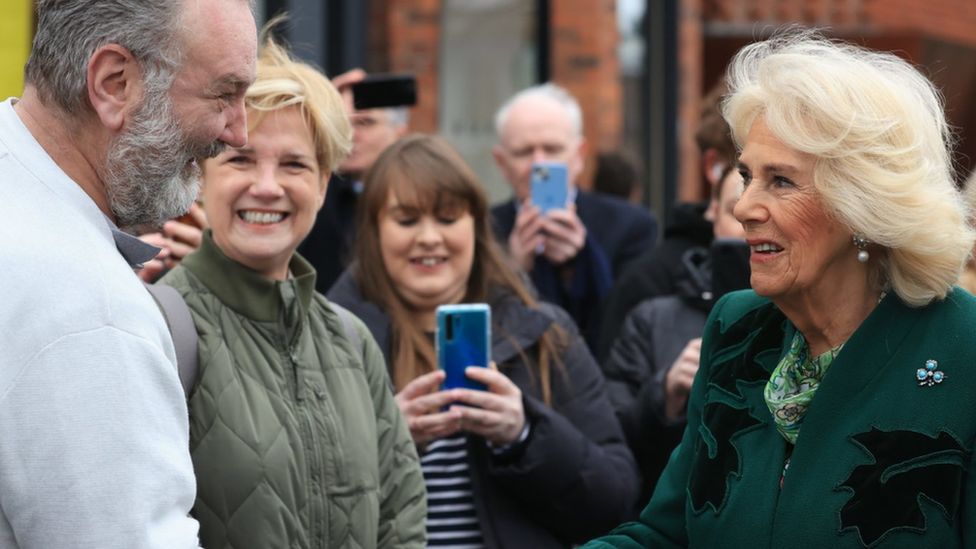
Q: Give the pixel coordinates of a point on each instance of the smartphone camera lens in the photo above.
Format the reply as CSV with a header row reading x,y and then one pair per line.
x,y
542,172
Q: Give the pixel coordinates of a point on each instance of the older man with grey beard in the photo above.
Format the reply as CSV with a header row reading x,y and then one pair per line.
x,y
123,99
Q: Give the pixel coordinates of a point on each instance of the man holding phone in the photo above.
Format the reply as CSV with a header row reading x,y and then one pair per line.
x,y
572,253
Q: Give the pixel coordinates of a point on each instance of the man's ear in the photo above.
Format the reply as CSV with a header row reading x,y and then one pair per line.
x,y
578,161
499,156
114,84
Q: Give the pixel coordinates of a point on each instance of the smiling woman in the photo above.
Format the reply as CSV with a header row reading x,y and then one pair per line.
x,y
536,460
836,395
292,406
261,199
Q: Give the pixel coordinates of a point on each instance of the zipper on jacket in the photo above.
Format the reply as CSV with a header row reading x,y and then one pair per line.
x,y
318,511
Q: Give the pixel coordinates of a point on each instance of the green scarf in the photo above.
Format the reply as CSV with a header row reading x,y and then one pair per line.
x,y
793,383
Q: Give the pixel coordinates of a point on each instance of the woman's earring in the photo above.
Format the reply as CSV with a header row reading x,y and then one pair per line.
x,y
862,253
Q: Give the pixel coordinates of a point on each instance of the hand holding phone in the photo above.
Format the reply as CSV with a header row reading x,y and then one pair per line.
x,y
549,186
463,339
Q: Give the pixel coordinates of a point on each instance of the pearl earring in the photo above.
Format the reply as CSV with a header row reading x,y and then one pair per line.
x,y
862,253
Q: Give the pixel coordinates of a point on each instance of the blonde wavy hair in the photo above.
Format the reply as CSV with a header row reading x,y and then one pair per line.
x,y
882,145
283,81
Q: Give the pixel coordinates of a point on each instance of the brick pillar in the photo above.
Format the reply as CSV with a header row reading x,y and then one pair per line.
x,y
584,60
691,186
413,38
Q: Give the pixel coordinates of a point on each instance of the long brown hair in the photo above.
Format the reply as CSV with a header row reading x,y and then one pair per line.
x,y
427,173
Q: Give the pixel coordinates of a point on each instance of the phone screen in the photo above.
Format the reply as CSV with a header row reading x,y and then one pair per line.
x,y
549,186
463,339
385,90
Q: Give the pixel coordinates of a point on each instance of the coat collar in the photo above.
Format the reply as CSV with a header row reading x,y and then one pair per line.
x,y
244,290
866,354
519,327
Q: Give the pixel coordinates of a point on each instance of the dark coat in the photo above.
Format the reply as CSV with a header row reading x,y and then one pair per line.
x,y
574,477
652,274
881,461
617,232
653,336
651,339
328,247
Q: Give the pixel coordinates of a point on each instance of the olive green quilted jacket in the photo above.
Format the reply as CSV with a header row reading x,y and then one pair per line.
x,y
295,436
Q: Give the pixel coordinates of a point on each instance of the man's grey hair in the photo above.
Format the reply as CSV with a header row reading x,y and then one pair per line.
x,y
69,32
550,92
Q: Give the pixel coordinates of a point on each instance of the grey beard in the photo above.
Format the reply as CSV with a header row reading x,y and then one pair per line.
x,y
151,175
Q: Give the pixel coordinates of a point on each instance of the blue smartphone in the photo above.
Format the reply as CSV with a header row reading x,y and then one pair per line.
x,y
549,185
462,339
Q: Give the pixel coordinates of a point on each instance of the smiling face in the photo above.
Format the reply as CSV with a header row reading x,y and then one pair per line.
x,y
261,199
427,254
798,249
220,49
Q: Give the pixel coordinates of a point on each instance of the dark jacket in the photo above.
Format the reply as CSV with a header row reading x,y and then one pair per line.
x,y
652,274
881,461
328,246
653,336
617,232
574,476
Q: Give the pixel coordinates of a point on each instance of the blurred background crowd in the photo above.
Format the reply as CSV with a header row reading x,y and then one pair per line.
x,y
640,69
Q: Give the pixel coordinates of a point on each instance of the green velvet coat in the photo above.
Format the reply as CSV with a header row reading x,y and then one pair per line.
x,y
295,436
881,461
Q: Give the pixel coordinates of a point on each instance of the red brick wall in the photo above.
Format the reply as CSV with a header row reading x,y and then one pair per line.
x,y
691,186
405,36
583,59
916,29
584,40
413,41
951,20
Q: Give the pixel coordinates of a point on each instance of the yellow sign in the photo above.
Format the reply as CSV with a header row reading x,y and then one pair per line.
x,y
16,26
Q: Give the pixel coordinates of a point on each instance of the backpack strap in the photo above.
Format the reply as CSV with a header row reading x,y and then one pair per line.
x,y
348,325
181,329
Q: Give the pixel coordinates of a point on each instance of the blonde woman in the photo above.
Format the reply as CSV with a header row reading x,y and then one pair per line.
x,y
295,436
833,404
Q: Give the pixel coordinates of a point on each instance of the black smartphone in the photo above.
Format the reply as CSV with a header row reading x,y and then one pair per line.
x,y
384,90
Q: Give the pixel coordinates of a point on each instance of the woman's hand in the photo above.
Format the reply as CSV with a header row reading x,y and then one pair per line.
x,y
678,380
421,407
497,414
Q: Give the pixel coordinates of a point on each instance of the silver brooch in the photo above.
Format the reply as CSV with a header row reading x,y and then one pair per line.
x,y
929,375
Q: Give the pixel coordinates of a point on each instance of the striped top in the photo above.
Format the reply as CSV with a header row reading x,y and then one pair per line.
x,y
452,520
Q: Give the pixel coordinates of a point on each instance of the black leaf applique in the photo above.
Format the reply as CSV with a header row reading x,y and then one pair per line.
x,y
716,458
711,474
756,332
906,465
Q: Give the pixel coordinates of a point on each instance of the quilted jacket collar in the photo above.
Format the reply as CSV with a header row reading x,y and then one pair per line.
x,y
244,290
